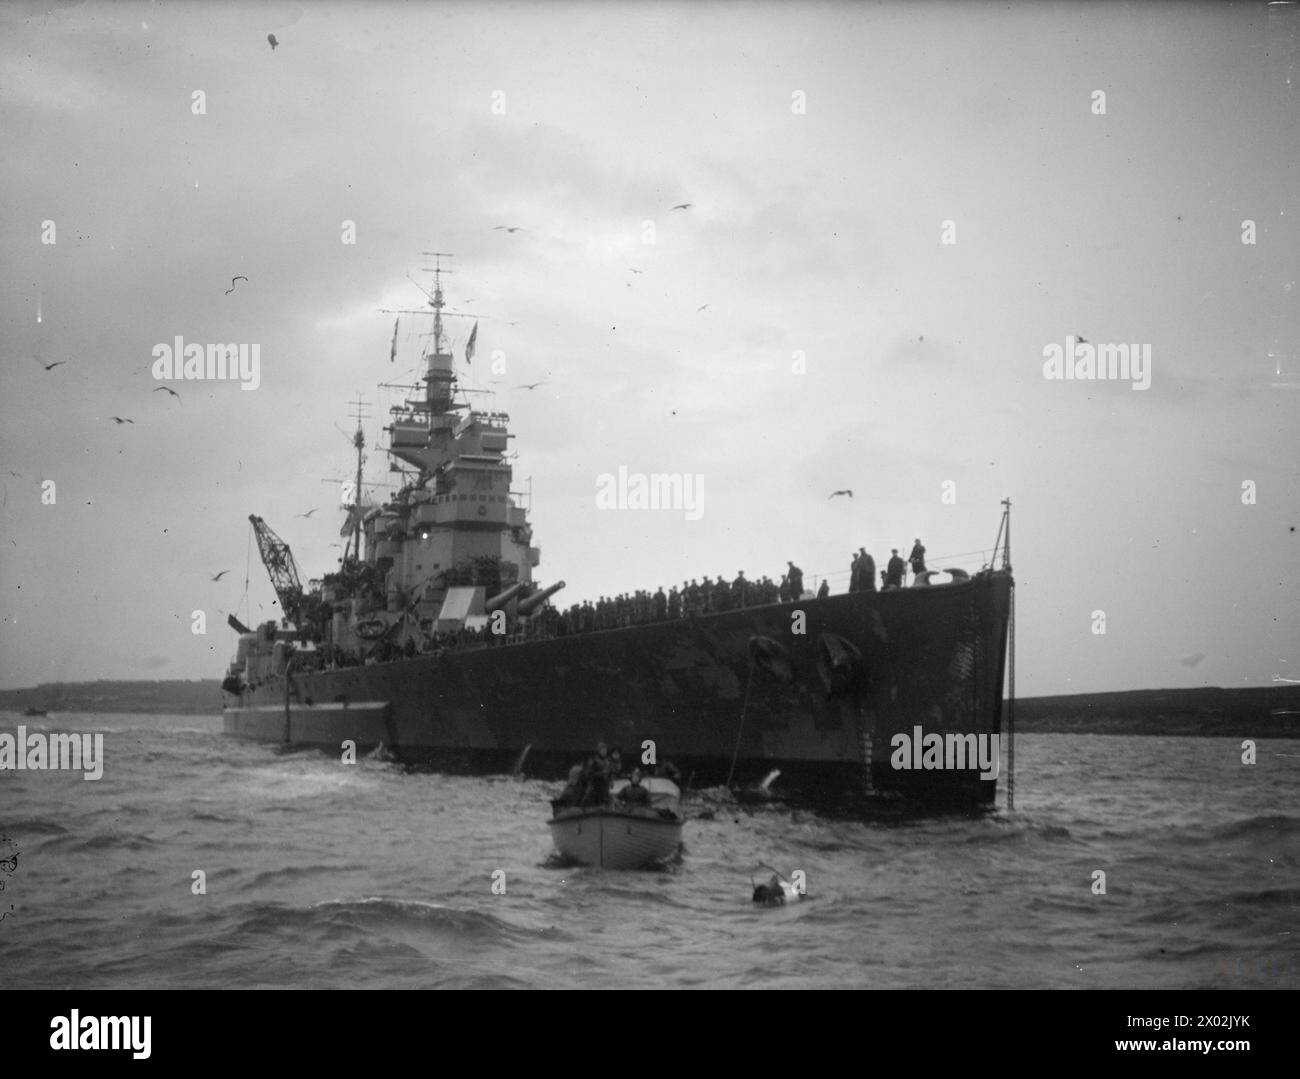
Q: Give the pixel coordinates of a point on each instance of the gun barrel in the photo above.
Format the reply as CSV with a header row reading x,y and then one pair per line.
x,y
235,624
533,602
502,598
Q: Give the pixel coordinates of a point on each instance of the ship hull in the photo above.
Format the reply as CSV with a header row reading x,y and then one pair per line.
x,y
824,685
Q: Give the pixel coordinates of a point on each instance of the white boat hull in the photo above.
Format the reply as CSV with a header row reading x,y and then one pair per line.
x,y
614,839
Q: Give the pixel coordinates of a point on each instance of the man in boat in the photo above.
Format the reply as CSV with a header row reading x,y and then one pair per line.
x,y
615,763
824,590
596,774
634,793
573,790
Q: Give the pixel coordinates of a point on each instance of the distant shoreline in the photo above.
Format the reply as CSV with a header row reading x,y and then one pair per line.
x,y
1253,712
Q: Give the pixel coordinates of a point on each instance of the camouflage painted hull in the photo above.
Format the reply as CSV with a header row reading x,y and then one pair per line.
x,y
823,704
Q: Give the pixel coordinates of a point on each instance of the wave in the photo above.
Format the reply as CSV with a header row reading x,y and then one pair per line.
x,y
292,872
378,914
35,826
1267,897
100,841
1274,825
1016,831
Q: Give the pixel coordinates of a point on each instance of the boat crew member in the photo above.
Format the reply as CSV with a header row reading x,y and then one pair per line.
x,y
615,762
895,570
674,603
917,558
855,574
634,793
573,790
596,774
824,590
660,605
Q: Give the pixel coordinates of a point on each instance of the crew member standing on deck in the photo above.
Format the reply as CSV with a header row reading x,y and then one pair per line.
x,y
795,575
855,574
825,589
740,589
917,558
866,570
895,570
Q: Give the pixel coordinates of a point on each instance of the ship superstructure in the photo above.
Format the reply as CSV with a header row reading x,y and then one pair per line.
x,y
434,562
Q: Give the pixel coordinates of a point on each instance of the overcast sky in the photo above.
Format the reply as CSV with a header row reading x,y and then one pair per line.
x,y
822,148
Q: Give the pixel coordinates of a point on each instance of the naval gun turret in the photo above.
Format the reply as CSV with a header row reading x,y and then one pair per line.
x,y
502,598
533,602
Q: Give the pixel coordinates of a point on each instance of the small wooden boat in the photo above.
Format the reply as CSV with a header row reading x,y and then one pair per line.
x,y
619,835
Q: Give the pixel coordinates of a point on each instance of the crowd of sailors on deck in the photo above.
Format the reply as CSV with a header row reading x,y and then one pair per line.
x,y
862,570
694,598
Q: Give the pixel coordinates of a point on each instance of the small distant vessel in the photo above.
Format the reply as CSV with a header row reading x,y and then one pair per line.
x,y
622,836
35,712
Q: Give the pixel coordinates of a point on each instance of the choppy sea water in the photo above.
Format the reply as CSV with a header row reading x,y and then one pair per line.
x,y
320,874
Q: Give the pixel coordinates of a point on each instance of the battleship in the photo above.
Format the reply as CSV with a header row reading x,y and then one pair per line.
x,y
436,640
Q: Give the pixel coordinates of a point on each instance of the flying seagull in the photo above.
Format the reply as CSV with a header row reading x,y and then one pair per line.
x,y
633,269
232,283
508,228
1192,660
308,513
682,206
271,39
52,366
846,491
702,307
1081,339
168,389
118,419
221,574
531,385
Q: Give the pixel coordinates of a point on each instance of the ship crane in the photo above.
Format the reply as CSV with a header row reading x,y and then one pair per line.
x,y
279,563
